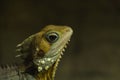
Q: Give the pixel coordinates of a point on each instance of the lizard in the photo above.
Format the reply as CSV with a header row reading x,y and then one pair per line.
x,y
41,53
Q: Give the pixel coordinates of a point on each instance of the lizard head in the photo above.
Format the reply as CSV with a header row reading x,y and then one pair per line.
x,y
46,46
49,45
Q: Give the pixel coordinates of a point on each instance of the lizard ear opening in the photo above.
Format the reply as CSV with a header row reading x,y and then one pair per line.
x,y
52,37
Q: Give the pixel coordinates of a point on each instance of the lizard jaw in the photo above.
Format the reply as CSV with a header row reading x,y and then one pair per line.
x,y
46,62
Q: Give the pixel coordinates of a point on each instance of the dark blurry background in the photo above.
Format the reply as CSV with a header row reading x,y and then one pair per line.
x,y
94,51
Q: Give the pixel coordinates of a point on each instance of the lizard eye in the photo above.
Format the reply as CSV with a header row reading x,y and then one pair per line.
x,y
52,37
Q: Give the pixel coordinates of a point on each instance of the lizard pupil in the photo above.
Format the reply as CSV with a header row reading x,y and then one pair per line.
x,y
52,37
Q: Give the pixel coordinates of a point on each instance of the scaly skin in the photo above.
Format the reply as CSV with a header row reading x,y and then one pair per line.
x,y
42,51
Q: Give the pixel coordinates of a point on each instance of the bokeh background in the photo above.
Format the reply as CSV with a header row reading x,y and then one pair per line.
x,y
94,50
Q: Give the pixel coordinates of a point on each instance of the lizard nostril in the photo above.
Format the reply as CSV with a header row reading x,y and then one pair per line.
x,y
67,30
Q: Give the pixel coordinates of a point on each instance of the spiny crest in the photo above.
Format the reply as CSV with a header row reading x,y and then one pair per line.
x,y
8,70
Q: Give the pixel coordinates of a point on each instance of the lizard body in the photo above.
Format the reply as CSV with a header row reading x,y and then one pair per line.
x,y
41,53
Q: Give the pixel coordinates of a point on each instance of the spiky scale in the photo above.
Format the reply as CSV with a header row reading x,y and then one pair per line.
x,y
12,73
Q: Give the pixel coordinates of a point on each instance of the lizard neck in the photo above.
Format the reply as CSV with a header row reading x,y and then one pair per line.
x,y
49,74
43,75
